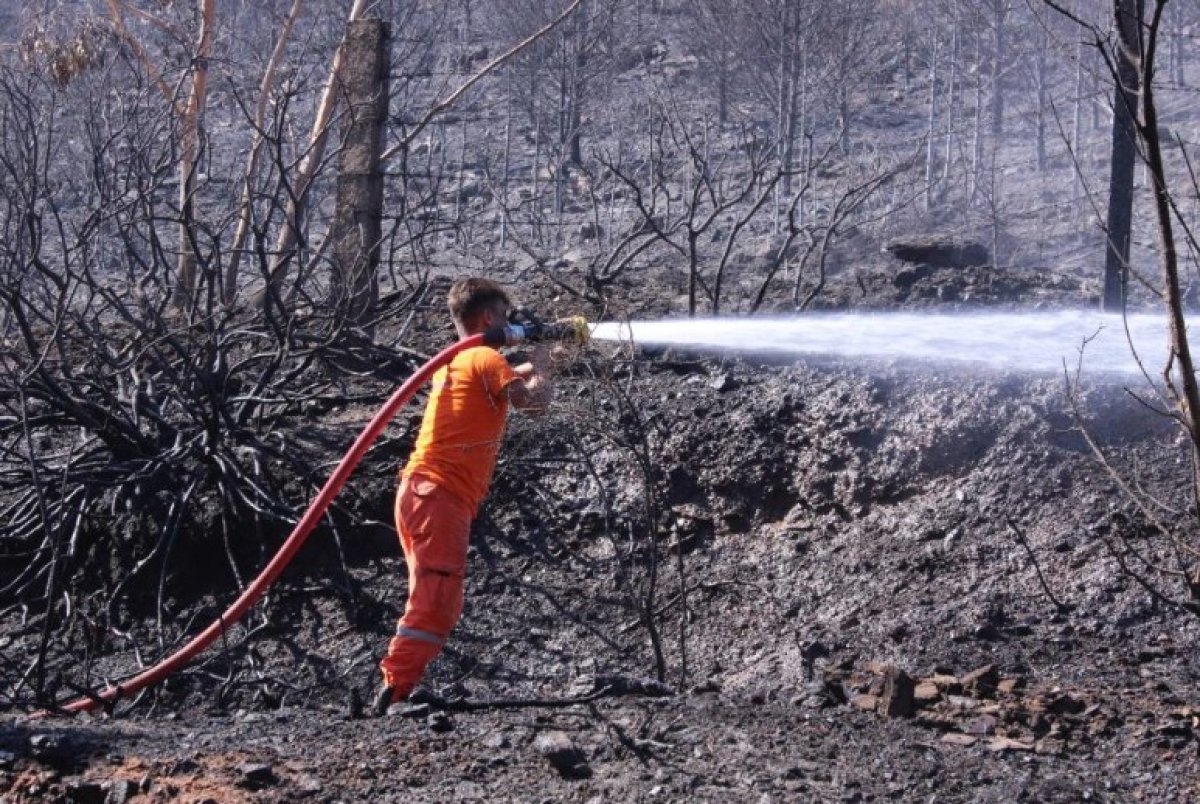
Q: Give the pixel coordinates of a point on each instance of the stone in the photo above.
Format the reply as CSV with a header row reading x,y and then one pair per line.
x,y
897,697
723,383
939,251
563,755
439,723
256,776
945,682
1010,685
926,692
1052,746
958,738
1065,704
495,741
120,791
905,278
1000,744
982,679
80,792
962,702
7,759
183,766
867,703
308,784
49,748
982,725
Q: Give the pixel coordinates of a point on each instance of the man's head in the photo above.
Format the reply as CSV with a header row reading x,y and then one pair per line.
x,y
476,304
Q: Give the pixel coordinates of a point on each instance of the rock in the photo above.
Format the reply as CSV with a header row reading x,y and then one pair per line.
x,y
1065,704
939,251
983,725
926,692
354,705
183,766
1052,746
49,748
439,723
563,755
814,650
962,702
907,277
999,744
308,784
7,759
574,256
1010,685
120,791
957,738
897,697
256,776
723,383
495,741
946,684
867,703
80,792
982,680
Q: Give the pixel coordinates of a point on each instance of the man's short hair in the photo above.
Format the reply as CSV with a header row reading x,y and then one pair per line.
x,y
469,297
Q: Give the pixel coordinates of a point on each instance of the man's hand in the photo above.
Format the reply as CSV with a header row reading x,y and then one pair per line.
x,y
533,389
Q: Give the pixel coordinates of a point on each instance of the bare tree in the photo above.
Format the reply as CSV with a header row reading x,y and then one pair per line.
x,y
1127,54
1140,34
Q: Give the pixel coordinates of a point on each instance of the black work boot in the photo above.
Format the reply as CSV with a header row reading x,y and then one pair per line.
x,y
383,699
426,696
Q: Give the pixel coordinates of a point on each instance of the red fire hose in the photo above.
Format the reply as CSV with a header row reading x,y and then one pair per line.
x,y
299,534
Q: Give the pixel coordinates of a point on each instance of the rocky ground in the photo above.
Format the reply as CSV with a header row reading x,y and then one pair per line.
x,y
870,582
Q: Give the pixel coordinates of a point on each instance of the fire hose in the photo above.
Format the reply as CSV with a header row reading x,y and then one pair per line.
x,y
525,328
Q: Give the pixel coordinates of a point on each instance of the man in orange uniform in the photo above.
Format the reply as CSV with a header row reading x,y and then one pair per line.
x,y
447,477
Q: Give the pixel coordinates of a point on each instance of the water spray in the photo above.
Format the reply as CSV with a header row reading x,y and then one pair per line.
x,y
1104,345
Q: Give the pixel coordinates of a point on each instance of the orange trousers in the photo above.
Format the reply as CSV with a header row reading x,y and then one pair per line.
x,y
434,528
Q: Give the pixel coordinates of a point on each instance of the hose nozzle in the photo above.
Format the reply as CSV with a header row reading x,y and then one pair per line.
x,y
526,327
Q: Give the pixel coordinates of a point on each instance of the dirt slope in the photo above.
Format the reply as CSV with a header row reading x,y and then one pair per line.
x,y
897,588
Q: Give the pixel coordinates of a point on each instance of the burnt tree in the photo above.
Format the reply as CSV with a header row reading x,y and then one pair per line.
x,y
1124,150
356,230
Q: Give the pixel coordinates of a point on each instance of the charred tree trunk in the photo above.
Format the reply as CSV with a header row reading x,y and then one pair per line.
x,y
189,152
1040,113
1124,150
999,57
357,228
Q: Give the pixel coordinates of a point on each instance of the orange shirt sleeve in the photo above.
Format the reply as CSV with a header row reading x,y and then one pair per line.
x,y
494,371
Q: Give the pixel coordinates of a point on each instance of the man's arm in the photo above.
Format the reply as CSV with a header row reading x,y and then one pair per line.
x,y
533,388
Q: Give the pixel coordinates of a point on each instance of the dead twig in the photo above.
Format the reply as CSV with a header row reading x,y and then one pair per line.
x,y
1063,608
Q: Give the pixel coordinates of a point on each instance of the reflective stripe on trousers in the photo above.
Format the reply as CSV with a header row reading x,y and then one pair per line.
x,y
422,636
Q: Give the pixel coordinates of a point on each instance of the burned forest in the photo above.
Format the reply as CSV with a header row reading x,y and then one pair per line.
x,y
870,465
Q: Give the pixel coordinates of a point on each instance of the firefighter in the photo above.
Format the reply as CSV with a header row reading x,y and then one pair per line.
x,y
447,477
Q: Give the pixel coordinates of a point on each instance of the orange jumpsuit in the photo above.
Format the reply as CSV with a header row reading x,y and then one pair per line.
x,y
441,487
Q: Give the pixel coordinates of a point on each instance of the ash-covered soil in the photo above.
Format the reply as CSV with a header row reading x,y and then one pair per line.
x,y
873,583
